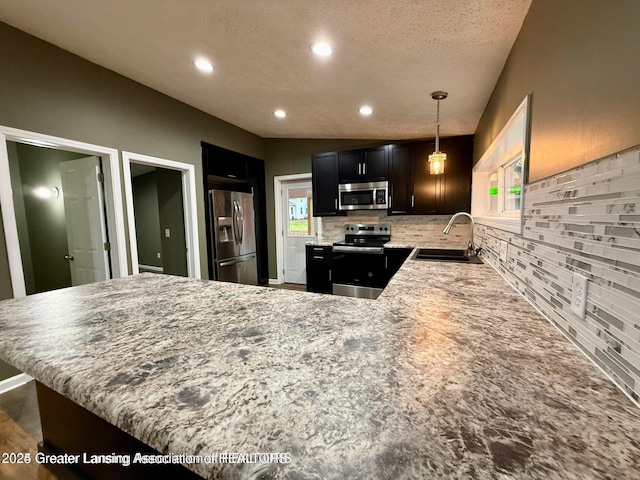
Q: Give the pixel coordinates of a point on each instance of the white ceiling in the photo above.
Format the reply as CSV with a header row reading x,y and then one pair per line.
x,y
390,54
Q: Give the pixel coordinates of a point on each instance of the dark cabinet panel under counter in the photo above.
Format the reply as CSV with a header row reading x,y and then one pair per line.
x,y
319,265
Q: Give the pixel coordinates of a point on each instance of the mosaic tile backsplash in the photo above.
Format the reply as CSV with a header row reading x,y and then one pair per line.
x,y
586,220
416,230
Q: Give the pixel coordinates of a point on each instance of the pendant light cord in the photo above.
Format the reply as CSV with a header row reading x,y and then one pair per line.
x,y
438,126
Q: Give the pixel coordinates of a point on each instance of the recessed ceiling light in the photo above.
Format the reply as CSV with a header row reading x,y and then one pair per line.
x,y
280,113
204,65
366,110
322,49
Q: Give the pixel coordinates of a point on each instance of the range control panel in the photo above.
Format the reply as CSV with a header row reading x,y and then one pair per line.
x,y
367,228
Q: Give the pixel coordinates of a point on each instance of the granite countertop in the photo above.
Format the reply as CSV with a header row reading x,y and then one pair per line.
x,y
449,374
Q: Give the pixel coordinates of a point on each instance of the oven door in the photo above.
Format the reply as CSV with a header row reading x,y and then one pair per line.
x,y
358,273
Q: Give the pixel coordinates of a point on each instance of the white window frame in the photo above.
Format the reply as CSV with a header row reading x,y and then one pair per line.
x,y
511,144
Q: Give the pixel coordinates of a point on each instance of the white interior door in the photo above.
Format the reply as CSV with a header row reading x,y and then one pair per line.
x,y
84,216
299,228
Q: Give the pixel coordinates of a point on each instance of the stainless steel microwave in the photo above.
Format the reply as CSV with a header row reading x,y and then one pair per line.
x,y
363,196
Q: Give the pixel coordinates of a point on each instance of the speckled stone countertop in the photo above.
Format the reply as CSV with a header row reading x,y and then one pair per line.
x,y
449,374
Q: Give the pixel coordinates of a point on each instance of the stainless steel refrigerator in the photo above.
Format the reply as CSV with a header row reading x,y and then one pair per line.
x,y
234,237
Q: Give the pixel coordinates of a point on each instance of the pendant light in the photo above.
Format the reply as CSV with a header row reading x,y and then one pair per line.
x,y
437,158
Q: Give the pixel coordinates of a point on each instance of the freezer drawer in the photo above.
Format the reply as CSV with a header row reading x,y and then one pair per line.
x,y
243,269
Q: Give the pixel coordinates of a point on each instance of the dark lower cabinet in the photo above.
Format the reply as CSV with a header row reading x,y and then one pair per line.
x,y
319,264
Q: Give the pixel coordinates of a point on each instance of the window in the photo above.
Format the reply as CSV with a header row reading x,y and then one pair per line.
x,y
499,176
300,223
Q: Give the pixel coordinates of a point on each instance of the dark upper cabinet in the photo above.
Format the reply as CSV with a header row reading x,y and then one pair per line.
x,y
226,164
324,171
350,166
427,188
400,179
413,190
369,165
448,193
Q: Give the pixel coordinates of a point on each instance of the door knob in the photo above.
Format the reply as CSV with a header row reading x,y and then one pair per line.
x,y
68,257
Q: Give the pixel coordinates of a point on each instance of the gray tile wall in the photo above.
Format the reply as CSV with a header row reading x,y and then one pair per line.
x,y
586,220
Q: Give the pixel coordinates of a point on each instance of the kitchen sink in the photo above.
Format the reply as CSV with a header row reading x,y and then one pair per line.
x,y
446,255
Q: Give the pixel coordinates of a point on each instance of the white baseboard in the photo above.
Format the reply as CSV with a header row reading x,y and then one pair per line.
x,y
14,382
274,281
150,268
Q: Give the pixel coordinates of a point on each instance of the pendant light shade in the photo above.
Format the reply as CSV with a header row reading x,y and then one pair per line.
x,y
437,158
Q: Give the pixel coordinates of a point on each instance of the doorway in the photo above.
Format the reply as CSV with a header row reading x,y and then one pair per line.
x,y
296,225
161,209
114,217
60,216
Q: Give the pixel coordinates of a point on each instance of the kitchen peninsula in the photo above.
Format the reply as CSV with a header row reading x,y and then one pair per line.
x,y
448,374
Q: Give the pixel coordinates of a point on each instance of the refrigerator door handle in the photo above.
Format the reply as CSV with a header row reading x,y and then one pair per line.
x,y
238,260
241,225
230,262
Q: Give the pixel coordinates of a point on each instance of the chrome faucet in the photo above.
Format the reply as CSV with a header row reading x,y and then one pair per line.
x,y
470,246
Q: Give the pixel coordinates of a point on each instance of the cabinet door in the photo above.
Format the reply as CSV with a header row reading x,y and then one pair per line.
x,y
427,188
375,164
400,180
457,175
350,166
319,269
448,193
324,171
224,163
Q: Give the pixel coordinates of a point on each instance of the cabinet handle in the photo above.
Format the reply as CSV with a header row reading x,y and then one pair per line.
x,y
386,262
330,276
335,202
318,257
359,168
390,201
413,200
364,168
318,249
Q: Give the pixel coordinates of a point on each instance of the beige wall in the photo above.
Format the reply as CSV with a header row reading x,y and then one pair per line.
x,y
579,59
48,90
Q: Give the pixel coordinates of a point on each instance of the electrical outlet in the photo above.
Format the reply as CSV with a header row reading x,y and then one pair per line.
x,y
158,254
579,289
167,232
504,250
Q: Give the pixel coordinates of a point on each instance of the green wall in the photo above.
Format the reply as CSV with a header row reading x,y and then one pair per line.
x,y
147,218
7,371
580,61
174,247
48,90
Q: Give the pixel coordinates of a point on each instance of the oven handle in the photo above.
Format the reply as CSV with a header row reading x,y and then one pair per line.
x,y
370,250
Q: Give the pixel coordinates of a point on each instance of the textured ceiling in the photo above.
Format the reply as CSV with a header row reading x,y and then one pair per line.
x,y
390,54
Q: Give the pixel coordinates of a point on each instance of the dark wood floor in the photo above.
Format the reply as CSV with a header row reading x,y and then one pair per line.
x,y
290,286
20,432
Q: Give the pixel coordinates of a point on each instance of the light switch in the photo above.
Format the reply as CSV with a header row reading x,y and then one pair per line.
x,y
579,289
158,254
167,232
504,250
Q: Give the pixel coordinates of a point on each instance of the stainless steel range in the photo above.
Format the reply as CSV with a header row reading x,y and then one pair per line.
x,y
359,263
